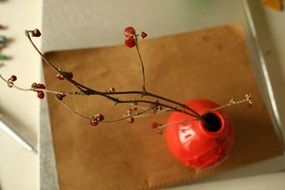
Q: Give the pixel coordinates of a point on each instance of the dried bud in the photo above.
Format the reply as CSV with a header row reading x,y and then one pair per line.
x,y
10,84
68,75
36,33
249,104
59,76
131,120
34,85
143,35
99,117
154,125
130,112
159,131
60,96
112,89
247,97
96,119
13,78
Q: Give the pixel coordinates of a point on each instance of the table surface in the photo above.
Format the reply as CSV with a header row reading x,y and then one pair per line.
x,y
19,169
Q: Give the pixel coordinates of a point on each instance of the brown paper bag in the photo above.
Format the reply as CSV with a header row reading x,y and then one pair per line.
x,y
211,63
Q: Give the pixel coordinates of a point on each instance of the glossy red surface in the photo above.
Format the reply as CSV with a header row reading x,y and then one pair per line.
x,y
195,145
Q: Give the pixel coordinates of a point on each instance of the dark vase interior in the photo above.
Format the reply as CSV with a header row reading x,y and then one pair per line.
x,y
212,122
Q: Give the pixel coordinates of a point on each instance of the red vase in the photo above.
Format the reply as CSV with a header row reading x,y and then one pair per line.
x,y
197,144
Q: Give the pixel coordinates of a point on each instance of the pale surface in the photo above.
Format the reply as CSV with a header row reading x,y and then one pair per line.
x,y
19,167
261,182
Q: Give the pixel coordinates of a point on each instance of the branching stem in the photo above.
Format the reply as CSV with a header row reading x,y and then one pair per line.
x,y
158,104
183,108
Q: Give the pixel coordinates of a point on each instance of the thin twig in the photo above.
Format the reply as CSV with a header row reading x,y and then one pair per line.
x,y
72,110
142,66
143,113
232,102
39,52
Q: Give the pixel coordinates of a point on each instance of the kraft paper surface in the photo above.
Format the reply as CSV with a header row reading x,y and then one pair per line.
x,y
211,63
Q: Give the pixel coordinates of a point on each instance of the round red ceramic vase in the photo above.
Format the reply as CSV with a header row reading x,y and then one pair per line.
x,y
196,144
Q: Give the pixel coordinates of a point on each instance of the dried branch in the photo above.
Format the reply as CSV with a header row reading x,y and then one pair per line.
x,y
183,108
158,104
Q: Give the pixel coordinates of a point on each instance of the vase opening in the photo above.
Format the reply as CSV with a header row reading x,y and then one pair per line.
x,y
213,122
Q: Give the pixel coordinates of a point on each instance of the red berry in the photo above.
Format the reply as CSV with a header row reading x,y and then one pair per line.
x,y
129,31
99,117
69,75
36,33
93,122
59,76
34,85
111,89
41,94
154,125
131,119
13,78
249,104
41,86
130,111
130,41
143,35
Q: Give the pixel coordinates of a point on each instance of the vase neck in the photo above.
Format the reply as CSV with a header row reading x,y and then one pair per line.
x,y
213,124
